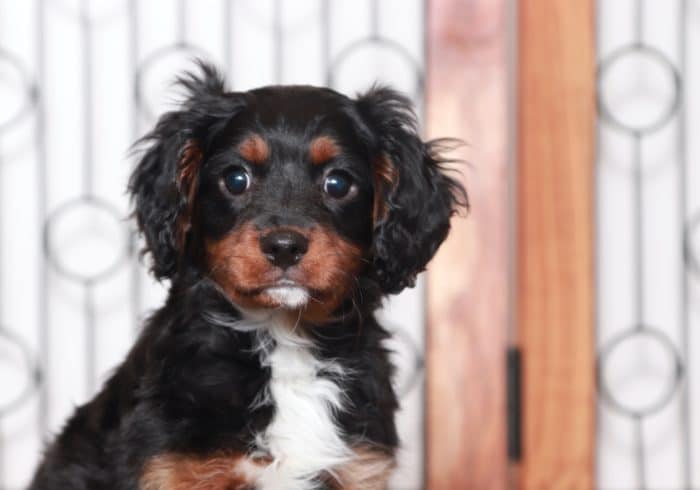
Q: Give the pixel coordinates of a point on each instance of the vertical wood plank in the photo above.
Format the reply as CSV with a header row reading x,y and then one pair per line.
x,y
468,280
555,241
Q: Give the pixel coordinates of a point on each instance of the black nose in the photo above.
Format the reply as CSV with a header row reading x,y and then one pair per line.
x,y
284,248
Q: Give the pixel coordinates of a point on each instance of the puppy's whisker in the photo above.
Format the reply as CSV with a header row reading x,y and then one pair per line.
x,y
313,298
296,324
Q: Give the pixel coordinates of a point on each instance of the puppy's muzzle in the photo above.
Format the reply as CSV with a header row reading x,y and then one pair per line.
x,y
284,248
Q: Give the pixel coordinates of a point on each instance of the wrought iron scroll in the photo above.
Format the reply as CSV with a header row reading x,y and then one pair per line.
x,y
10,337
675,351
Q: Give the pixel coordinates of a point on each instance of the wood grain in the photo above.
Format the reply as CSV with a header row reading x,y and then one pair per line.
x,y
468,280
555,241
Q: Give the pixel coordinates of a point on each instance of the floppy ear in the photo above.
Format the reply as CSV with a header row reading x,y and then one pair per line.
x,y
414,198
164,183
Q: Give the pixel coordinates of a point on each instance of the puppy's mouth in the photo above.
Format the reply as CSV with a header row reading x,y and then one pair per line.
x,y
284,293
288,296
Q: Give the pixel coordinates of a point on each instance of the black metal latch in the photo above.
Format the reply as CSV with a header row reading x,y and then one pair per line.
x,y
513,405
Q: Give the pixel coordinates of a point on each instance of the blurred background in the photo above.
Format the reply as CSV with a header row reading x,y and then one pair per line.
x,y
549,345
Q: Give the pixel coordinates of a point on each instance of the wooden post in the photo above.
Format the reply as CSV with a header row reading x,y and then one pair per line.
x,y
556,107
468,280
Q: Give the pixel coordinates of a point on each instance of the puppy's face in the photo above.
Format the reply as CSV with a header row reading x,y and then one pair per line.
x,y
293,198
284,202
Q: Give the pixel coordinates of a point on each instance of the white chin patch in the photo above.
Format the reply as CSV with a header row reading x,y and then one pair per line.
x,y
288,296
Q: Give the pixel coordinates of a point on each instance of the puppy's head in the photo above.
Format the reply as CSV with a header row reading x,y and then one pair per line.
x,y
291,197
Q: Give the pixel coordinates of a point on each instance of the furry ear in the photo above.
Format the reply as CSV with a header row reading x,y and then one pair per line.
x,y
414,198
164,183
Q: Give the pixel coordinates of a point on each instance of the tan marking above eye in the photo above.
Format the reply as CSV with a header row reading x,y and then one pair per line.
x,y
323,149
254,149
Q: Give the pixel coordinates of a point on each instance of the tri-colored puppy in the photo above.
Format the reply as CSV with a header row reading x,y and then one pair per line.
x,y
281,217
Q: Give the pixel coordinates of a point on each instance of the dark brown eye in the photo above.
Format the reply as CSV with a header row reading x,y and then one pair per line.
x,y
337,184
237,181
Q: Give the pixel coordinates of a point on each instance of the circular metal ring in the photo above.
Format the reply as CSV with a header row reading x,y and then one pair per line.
x,y
139,92
665,342
51,250
691,256
30,91
393,46
31,367
665,63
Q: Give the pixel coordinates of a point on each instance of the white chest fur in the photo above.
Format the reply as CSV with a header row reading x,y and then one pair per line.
x,y
302,438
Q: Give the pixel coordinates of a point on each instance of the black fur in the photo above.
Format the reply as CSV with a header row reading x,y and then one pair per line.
x,y
420,206
188,383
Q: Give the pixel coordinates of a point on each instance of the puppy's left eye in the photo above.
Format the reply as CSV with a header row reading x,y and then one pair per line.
x,y
337,184
237,181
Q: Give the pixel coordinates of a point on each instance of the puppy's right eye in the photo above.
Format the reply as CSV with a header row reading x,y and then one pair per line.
x,y
237,181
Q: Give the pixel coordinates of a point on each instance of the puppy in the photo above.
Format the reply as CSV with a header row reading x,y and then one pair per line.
x,y
280,217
